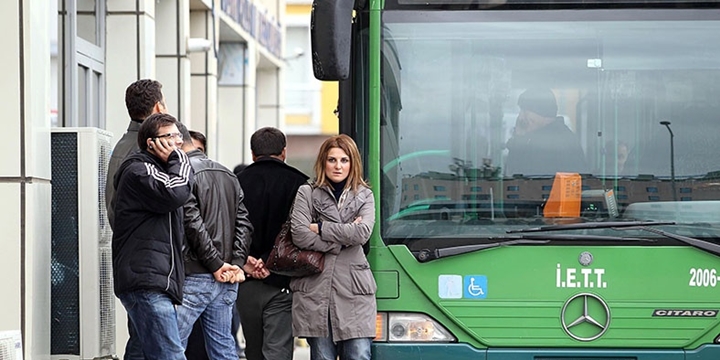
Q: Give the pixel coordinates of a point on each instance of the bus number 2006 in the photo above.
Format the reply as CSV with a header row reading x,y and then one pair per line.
x,y
703,277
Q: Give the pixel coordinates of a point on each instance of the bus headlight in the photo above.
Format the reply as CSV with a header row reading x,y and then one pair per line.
x,y
410,327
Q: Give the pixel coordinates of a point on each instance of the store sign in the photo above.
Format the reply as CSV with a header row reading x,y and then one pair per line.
x,y
262,27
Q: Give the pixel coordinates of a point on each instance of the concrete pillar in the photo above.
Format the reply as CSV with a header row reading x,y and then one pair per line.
x,y
236,105
172,25
25,174
130,55
268,92
203,80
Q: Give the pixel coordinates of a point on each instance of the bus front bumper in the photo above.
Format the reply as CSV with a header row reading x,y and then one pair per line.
x,y
396,351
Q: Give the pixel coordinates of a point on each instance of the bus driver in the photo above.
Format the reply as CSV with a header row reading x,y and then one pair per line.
x,y
541,143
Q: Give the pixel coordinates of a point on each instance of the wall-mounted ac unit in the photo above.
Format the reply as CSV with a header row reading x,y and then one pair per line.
x,y
82,298
11,345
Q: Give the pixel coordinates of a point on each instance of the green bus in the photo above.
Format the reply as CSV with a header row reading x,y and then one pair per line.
x,y
475,259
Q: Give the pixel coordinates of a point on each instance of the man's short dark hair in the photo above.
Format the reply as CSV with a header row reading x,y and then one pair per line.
x,y
199,137
150,126
141,96
184,131
239,168
267,141
540,101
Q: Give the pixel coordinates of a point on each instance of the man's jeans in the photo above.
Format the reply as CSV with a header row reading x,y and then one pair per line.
x,y
153,316
351,349
133,348
211,301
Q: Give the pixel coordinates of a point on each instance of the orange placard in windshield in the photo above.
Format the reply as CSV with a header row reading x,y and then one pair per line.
x,y
565,196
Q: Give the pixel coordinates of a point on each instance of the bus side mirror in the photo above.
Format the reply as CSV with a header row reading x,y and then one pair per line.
x,y
330,35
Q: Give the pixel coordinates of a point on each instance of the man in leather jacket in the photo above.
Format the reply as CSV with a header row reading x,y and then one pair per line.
x,y
217,235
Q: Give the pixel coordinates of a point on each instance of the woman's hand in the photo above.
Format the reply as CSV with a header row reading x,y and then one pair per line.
x,y
315,228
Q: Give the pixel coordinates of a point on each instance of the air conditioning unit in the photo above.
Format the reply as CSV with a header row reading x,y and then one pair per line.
x,y
82,299
11,345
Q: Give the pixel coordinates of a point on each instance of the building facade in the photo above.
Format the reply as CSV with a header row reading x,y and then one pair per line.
x,y
309,103
68,63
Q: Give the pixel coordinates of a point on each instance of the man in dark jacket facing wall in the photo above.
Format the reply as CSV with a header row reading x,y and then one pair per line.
x,y
151,186
265,306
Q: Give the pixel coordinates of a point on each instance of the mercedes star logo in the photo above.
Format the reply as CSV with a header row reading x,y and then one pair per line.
x,y
593,317
585,258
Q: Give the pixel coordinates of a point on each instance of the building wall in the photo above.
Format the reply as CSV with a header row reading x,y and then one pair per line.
x,y
25,174
140,39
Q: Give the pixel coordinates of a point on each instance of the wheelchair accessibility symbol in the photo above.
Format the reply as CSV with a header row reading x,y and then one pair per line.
x,y
475,287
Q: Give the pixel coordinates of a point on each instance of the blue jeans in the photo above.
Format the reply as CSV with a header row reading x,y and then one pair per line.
x,y
155,322
133,348
352,349
212,302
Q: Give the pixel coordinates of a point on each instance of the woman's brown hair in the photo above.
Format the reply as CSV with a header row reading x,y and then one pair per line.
x,y
346,144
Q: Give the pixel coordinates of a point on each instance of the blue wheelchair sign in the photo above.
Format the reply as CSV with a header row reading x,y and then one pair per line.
x,y
475,287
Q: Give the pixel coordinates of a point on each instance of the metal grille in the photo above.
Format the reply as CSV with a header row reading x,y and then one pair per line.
x,y
107,295
64,292
10,345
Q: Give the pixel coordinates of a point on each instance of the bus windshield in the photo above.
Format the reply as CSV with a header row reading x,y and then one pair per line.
x,y
500,120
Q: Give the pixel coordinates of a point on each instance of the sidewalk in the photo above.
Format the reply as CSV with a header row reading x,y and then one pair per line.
x,y
302,351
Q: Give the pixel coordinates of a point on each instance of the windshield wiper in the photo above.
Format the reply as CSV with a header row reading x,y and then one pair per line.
x,y
591,225
630,225
697,243
426,255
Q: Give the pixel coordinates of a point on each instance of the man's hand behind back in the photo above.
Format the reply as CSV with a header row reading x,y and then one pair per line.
x,y
229,273
256,268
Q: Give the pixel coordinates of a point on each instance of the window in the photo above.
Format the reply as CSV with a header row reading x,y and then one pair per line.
x,y
439,188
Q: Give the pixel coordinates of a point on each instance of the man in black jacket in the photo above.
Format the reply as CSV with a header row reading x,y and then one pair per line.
x,y
151,186
142,99
217,234
265,306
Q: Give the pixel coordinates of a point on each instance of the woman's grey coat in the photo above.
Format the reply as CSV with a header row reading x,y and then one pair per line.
x,y
345,290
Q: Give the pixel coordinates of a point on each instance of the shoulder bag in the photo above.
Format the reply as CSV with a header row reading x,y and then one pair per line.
x,y
288,259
